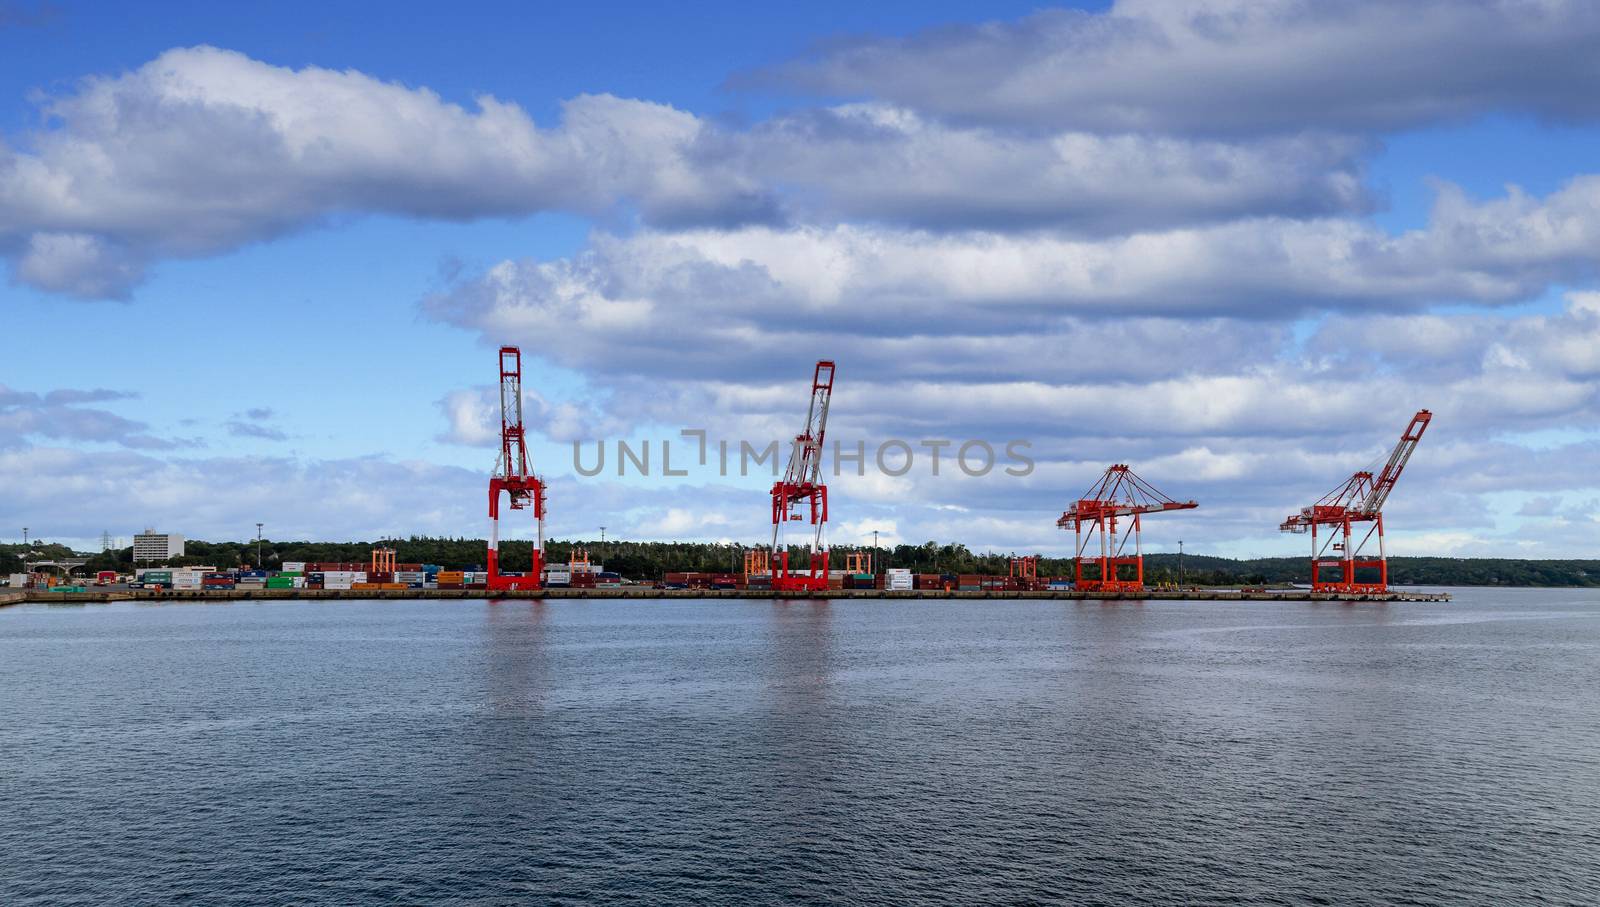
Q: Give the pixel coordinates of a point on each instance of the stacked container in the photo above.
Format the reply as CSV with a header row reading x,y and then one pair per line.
x,y
342,579
898,580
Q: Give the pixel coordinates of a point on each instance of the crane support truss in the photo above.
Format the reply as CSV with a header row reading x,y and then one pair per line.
x,y
1120,495
1334,522
802,484
513,478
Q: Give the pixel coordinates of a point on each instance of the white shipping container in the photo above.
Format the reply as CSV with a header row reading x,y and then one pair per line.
x,y
409,576
345,576
558,576
19,580
336,585
293,566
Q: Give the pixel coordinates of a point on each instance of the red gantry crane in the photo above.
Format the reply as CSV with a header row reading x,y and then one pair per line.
x,y
1120,494
513,477
1359,500
802,482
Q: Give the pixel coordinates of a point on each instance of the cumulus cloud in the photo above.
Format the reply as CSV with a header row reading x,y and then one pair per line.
x,y
879,163
1232,66
203,150
472,417
853,277
60,415
255,430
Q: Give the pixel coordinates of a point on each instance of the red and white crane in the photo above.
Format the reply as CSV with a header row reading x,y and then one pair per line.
x,y
802,482
1358,500
1120,494
512,476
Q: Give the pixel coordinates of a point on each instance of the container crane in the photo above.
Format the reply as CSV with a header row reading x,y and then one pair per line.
x,y
1358,500
1120,494
802,482
513,477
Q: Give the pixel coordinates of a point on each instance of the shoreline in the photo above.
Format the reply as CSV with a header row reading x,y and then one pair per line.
x,y
136,595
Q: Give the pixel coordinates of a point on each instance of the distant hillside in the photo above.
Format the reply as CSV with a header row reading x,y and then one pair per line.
x,y
651,559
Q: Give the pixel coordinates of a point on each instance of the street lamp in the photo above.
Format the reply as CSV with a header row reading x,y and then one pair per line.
x,y
258,546
1180,563
874,551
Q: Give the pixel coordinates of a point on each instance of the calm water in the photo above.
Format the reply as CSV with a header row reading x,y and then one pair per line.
x,y
753,752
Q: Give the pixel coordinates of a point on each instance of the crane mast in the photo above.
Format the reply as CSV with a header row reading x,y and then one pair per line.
x,y
513,478
1119,495
802,482
1359,500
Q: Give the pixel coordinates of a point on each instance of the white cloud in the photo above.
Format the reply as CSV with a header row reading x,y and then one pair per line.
x,y
1228,66
202,150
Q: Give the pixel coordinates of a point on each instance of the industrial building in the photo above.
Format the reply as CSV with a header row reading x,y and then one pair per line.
x,y
151,545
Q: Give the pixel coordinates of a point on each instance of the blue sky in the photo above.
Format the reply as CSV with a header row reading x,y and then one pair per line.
x,y
1235,245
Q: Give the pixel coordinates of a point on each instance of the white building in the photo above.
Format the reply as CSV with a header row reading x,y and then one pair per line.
x,y
150,545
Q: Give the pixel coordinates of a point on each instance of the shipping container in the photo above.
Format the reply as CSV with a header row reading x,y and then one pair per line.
x,y
293,567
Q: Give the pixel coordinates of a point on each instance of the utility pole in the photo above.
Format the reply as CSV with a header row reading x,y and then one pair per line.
x,y
258,547
24,538
874,551
1180,563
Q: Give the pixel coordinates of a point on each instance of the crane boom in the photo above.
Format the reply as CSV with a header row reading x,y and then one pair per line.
x,y
805,458
513,461
1397,462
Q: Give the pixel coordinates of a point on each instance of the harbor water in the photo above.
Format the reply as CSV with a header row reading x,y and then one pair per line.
x,y
748,752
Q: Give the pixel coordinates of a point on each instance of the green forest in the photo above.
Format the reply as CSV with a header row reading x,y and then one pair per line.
x,y
649,560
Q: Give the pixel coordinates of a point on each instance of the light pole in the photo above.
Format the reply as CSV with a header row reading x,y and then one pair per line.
x,y
874,551
258,547
1180,563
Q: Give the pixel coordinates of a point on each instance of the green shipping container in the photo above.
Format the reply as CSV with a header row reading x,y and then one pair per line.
x,y
69,589
289,574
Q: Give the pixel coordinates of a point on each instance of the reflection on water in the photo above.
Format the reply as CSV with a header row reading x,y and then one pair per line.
x,y
767,752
